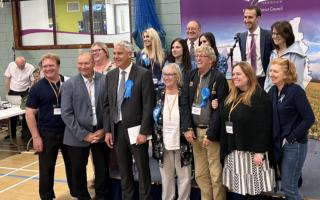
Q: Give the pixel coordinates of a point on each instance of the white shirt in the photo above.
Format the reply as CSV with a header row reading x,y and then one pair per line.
x,y
259,70
91,92
20,80
171,123
195,44
127,70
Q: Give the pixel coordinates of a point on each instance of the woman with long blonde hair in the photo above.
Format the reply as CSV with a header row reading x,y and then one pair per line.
x,y
246,136
152,56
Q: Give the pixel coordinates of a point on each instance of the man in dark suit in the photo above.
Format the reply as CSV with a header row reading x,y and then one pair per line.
x,y
129,101
81,106
193,32
256,43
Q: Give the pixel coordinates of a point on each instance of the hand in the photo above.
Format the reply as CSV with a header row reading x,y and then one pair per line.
x,y
258,159
206,142
90,137
37,144
141,139
190,137
214,104
109,140
98,135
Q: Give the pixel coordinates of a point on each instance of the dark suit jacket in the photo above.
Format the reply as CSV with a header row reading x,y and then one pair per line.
x,y
266,47
136,110
76,109
220,91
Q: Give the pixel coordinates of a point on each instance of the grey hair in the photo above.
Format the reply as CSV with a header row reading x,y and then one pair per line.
x,y
177,70
125,44
206,49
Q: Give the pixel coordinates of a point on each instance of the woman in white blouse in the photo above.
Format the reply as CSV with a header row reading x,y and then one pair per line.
x,y
170,147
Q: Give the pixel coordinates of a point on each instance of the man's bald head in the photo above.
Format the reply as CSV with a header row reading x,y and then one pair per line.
x,y
20,62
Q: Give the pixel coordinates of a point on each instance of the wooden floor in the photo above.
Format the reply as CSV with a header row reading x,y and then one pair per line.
x,y
19,177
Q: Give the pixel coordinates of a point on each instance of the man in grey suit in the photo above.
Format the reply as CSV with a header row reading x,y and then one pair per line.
x,y
129,101
256,43
81,106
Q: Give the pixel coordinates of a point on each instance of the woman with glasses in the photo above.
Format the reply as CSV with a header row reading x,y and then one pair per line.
x,y
170,147
102,62
179,54
292,117
286,47
209,39
152,56
246,136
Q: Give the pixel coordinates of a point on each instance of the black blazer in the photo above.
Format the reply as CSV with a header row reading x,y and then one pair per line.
x,y
136,110
220,91
266,47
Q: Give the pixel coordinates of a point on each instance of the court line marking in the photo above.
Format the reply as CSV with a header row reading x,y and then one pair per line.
x,y
19,183
12,168
17,169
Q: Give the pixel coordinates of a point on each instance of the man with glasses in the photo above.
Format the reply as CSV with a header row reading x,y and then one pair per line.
x,y
255,44
18,81
205,85
193,32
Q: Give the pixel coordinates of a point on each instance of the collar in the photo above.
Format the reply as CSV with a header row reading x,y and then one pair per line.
x,y
196,42
127,70
86,80
256,32
206,74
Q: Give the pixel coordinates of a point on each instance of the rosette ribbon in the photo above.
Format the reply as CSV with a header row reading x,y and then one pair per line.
x,y
205,93
128,89
145,59
156,114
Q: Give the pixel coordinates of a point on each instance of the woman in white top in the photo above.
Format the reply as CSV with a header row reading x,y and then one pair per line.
x,y
170,147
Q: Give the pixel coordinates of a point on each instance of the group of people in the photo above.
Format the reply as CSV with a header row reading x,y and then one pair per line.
x,y
235,136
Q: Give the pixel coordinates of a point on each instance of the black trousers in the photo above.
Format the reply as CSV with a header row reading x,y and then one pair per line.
x,y
79,160
124,152
14,120
52,142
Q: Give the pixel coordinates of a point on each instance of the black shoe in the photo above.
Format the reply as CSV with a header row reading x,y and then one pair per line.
x,y
8,136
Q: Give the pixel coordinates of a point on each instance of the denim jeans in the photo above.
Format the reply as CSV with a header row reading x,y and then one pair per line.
x,y
293,157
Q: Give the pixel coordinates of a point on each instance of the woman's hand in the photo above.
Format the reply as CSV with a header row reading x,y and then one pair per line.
x,y
258,159
214,104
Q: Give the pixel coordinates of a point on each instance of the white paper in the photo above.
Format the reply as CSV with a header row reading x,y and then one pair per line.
x,y
134,132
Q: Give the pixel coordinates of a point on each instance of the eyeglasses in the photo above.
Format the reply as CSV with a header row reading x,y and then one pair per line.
x,y
201,56
168,75
95,51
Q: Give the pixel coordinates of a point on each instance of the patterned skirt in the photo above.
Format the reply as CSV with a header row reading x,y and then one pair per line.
x,y
242,176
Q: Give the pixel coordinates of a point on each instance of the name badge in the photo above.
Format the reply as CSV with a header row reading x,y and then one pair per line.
x,y
56,110
196,109
169,129
229,127
155,81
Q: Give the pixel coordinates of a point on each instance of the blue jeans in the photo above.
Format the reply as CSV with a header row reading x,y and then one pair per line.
x,y
293,157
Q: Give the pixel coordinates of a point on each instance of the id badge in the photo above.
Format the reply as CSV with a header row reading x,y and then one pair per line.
x,y
169,129
155,81
229,127
56,110
196,109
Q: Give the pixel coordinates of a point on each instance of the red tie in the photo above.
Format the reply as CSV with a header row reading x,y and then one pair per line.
x,y
253,55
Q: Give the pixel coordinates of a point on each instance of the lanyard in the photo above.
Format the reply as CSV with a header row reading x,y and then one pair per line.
x,y
233,106
56,88
170,107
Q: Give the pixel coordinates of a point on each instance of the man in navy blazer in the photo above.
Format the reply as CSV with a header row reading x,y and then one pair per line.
x,y
263,43
81,111
129,102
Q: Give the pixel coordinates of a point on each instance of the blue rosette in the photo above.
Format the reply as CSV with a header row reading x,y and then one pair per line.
x,y
128,89
156,114
145,59
205,93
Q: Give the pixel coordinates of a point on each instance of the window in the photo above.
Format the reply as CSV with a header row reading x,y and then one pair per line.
x,y
46,24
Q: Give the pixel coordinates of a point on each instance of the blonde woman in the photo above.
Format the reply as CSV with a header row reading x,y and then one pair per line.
x,y
246,136
102,62
152,56
170,147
